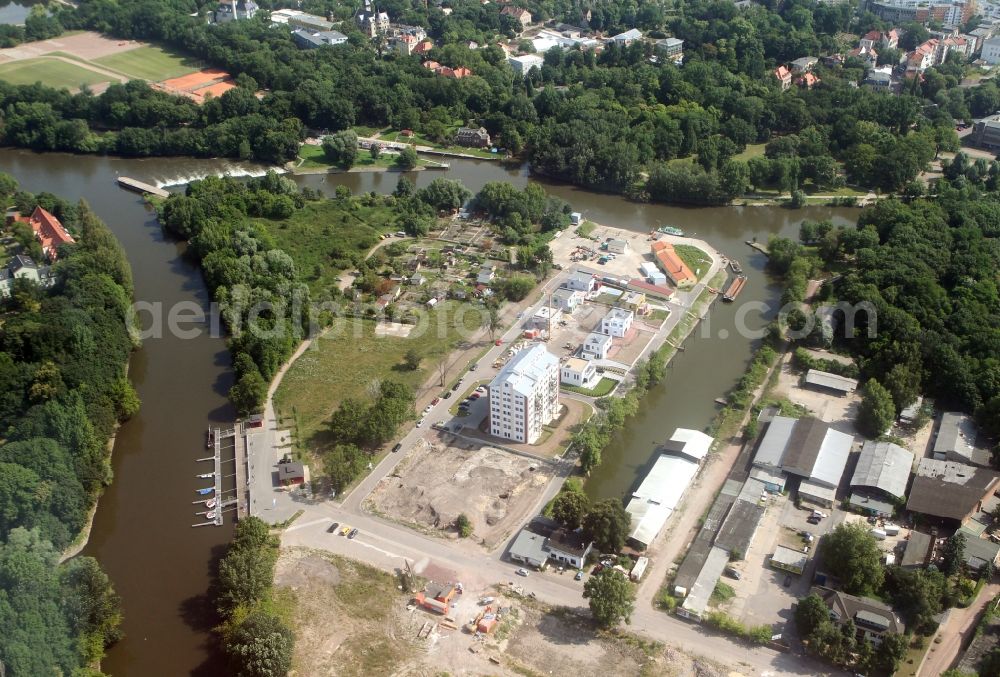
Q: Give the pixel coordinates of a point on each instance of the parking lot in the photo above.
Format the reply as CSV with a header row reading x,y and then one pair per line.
x,y
761,596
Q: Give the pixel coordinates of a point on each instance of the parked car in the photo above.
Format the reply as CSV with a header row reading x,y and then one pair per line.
x,y
435,401
787,582
473,366
428,408
522,572
353,533
474,396
579,576
733,573
812,519
345,530
399,445
447,395
333,527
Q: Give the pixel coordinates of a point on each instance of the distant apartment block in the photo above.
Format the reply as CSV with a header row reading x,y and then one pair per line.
x,y
524,396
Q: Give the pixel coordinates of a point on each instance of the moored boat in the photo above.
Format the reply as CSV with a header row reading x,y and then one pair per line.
x,y
671,230
206,491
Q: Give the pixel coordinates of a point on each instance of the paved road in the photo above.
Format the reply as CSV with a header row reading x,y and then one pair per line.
x,y
959,627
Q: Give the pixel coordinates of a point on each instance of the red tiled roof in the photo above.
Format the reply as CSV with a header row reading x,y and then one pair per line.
x,y
48,230
424,47
872,36
671,263
782,73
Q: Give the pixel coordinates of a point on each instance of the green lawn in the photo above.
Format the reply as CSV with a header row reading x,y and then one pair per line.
x,y
326,237
314,158
51,72
696,259
150,63
603,388
347,360
752,150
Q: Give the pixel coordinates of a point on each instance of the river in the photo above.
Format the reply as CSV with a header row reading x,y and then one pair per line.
x,y
142,534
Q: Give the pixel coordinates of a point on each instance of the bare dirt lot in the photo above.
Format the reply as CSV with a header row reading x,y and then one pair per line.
x,y
351,619
839,411
87,45
440,480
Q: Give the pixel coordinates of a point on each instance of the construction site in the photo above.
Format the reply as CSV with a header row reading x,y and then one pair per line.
x,y
444,476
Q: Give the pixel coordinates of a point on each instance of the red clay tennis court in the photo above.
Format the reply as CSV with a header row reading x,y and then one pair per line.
x,y
197,85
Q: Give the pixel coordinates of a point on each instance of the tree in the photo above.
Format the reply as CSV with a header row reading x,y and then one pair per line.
x,y
570,507
851,553
612,597
412,359
891,652
375,151
444,194
464,525
341,148
810,613
249,392
877,410
492,321
407,158
903,383
607,525
516,287
953,554
260,645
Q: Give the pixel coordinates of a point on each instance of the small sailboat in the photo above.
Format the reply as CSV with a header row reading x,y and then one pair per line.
x,y
206,475
210,503
205,491
210,515
209,440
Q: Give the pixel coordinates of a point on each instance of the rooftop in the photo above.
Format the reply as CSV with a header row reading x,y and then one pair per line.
x,y
789,557
771,451
525,369
691,443
832,381
917,545
885,466
949,490
655,499
817,452
529,545
576,364
956,438
865,611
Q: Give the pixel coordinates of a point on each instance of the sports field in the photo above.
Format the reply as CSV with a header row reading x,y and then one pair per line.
x,y
149,63
49,71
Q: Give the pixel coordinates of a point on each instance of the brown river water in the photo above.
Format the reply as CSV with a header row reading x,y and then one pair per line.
x,y
142,532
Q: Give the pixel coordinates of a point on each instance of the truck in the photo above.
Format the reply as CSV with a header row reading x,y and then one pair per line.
x,y
891,529
878,534
639,568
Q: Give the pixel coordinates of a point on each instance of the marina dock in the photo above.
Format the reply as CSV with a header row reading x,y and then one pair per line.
x,y
140,187
228,446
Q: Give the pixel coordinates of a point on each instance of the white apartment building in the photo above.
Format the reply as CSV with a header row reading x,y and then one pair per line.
x,y
524,396
991,51
617,322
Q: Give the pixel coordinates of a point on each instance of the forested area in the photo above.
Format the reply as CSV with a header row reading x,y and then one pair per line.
x,y
610,121
63,355
927,269
255,636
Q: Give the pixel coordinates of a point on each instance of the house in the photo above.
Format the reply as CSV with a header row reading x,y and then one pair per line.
x,y
543,540
596,346
235,11
370,21
665,256
520,14
617,246
655,500
784,77
524,396
634,301
872,619
669,48
472,137
918,552
922,58
880,39
627,38
979,551
423,47
807,81
580,281
656,288
405,44
578,372
956,439
617,322
692,444
523,64
566,299
882,80
545,316
291,473
418,279
826,382
866,55
307,39
461,72
48,231
949,491
23,267
804,64
487,272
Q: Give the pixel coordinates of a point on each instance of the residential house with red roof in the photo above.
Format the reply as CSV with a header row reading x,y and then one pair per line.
x,y
784,76
48,231
672,264
519,13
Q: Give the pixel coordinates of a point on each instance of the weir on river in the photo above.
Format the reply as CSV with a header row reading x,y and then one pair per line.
x,y
141,534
